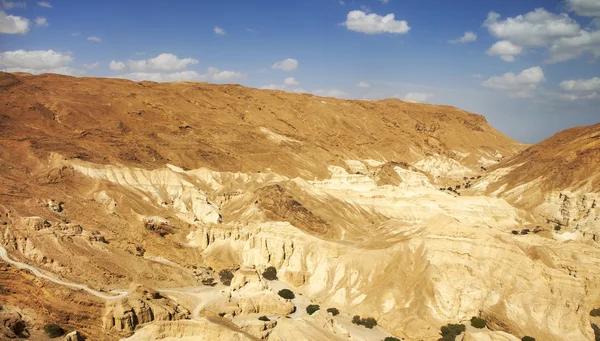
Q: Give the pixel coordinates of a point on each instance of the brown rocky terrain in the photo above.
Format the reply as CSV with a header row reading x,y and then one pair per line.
x,y
150,211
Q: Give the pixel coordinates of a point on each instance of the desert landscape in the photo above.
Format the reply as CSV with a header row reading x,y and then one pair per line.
x,y
194,211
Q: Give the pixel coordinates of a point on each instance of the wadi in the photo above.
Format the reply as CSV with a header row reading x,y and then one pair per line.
x,y
193,211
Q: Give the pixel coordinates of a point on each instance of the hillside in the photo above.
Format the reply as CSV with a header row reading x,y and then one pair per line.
x,y
144,211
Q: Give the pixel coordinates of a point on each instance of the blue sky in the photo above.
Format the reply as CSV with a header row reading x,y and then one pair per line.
x,y
531,67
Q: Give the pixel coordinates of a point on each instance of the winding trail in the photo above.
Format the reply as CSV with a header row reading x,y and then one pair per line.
x,y
39,273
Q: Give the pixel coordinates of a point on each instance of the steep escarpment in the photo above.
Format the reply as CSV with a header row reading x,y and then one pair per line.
x,y
218,201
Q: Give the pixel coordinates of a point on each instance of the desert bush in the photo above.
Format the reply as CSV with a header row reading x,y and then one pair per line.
x,y
311,309
367,322
270,273
451,331
525,231
515,232
287,294
557,228
527,338
226,276
333,311
391,338
222,314
53,330
264,318
477,322
595,312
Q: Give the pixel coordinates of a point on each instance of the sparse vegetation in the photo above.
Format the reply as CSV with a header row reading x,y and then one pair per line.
x,y
287,294
595,312
311,309
477,322
391,338
264,318
515,232
557,228
53,330
367,322
527,338
333,311
451,331
3,290
226,276
222,314
525,231
270,273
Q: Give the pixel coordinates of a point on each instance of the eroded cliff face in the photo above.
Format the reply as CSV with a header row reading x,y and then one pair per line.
x,y
380,209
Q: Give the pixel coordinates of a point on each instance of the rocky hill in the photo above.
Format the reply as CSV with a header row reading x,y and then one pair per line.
x,y
180,211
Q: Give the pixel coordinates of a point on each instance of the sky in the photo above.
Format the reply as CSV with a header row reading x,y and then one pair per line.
x,y
532,68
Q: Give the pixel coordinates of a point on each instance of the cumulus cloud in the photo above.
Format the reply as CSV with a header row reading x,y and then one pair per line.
x,y
116,66
585,8
505,49
578,97
521,85
372,23
466,38
162,62
212,74
219,31
417,97
288,64
40,21
591,84
44,4
290,81
91,66
94,38
363,85
12,24
219,76
563,36
37,62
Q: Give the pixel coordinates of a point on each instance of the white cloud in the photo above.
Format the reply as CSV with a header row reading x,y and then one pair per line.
x,y
585,8
288,64
44,4
477,75
504,48
116,66
521,85
219,31
365,9
91,66
563,36
591,84
13,4
224,76
212,74
94,38
163,77
75,34
536,28
291,81
360,21
363,85
162,62
576,97
417,97
251,30
12,24
40,21
466,38
330,93
37,62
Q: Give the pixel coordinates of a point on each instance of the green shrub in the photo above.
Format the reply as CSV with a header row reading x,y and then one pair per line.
x,y
451,331
515,232
222,314
270,273
527,338
557,228
333,311
287,294
477,322
390,338
311,309
226,276
264,318
595,312
367,322
53,330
